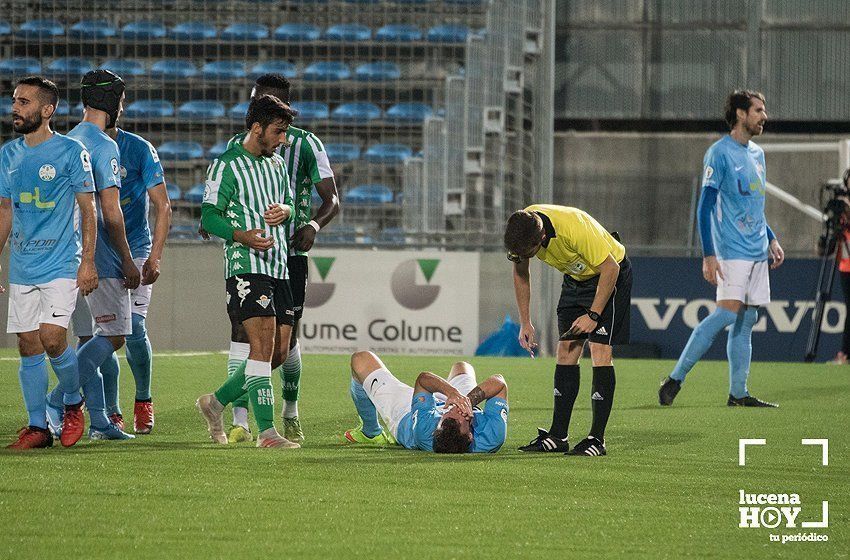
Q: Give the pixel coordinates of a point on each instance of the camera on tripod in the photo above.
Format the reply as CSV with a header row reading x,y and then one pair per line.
x,y
835,201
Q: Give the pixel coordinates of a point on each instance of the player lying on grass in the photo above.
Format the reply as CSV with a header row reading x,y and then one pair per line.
x,y
434,415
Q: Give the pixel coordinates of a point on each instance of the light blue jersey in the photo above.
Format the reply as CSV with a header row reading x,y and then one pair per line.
x,y
489,427
41,183
738,225
106,170
140,171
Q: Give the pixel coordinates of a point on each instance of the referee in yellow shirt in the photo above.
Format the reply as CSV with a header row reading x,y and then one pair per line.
x,y
595,306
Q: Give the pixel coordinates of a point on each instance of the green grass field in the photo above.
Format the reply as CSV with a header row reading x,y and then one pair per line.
x,y
668,488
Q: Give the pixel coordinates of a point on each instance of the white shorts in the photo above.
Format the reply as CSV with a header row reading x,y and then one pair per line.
x,y
745,281
81,320
393,398
110,308
31,305
141,296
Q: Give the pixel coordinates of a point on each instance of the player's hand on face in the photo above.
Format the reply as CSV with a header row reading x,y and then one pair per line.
x,y
304,238
711,270
203,233
526,338
253,238
583,325
777,255
132,276
461,402
150,271
87,278
276,214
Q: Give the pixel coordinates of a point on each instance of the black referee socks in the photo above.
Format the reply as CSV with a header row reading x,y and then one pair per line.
x,y
601,399
566,391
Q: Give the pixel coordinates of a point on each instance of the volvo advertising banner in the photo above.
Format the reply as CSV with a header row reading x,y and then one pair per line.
x,y
670,297
401,302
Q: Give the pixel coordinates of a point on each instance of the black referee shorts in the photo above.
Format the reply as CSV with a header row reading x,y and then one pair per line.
x,y
259,295
577,297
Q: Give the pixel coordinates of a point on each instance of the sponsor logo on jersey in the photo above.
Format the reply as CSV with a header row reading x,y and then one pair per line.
x,y
105,318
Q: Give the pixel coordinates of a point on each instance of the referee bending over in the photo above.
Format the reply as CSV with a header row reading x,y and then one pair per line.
x,y
595,305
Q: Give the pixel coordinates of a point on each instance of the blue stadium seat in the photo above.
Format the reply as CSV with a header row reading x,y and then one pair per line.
x,y
143,30
193,31
149,108
20,66
283,67
125,66
363,1
449,33
393,235
327,72
62,110
369,194
297,32
356,112
399,32
201,110
348,32
195,195
310,110
5,105
387,153
173,69
237,112
40,29
224,70
464,2
245,32
342,152
92,29
217,149
180,150
71,67
409,112
174,192
5,28
78,109
378,72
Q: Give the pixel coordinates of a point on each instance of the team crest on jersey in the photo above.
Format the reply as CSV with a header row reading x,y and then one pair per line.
x,y
577,267
84,157
114,164
264,301
709,171
47,172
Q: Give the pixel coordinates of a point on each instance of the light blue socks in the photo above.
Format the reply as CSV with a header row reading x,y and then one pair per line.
x,y
367,411
138,352
739,349
33,377
701,340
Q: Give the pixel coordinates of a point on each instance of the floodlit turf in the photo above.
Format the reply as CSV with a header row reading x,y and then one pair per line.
x,y
668,488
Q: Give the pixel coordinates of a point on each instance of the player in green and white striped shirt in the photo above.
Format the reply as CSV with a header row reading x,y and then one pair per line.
x,y
247,203
308,165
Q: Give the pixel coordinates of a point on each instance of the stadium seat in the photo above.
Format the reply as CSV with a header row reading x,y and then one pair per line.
x,y
464,2
193,31
363,1
78,109
180,150
238,111
342,152
125,66
449,33
201,110
5,28
283,67
356,112
326,72
245,32
217,149
143,31
195,195
348,32
224,70
92,29
297,32
174,192
393,235
5,105
63,109
409,112
40,29
310,110
20,66
378,72
173,69
398,32
369,194
69,67
387,153
149,108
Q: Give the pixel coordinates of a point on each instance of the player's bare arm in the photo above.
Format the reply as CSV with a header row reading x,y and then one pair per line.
x,y
427,382
522,292
113,219
493,386
87,271
162,213
306,235
5,226
711,270
608,272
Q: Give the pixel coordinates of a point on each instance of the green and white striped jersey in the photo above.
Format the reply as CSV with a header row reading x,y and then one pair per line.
x,y
307,162
242,186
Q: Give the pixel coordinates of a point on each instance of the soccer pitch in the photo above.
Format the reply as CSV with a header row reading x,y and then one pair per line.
x,y
668,488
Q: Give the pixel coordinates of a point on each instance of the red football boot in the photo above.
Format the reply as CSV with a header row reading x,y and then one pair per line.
x,y
73,424
117,419
143,417
31,437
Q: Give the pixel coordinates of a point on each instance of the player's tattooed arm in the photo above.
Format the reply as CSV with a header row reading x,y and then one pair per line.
x,y
476,396
493,386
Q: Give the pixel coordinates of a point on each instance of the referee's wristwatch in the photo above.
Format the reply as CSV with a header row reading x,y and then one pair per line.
x,y
593,315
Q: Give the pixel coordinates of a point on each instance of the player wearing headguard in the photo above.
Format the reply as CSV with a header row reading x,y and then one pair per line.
x,y
103,96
